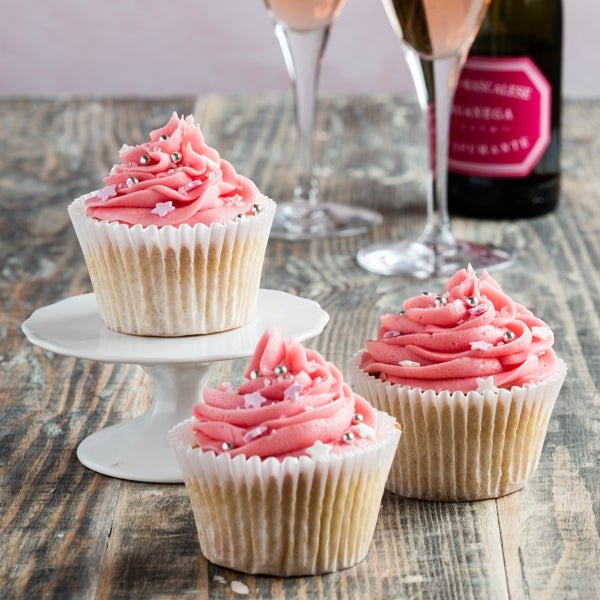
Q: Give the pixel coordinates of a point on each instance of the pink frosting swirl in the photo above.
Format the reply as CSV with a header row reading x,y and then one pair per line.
x,y
460,339
174,178
292,403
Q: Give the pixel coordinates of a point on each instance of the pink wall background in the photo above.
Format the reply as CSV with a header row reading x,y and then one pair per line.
x,y
189,47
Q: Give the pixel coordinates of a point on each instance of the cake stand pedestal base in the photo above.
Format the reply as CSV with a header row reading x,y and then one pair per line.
x,y
138,449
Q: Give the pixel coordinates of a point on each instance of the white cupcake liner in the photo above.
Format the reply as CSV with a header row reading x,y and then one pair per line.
x,y
299,516
173,281
457,446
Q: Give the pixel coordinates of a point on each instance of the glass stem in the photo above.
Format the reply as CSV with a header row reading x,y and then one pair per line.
x,y
303,53
436,82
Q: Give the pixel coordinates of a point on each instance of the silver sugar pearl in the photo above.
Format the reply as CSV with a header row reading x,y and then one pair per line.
x,y
508,335
163,137
348,437
440,301
240,216
256,208
358,418
176,157
280,370
427,294
144,159
254,374
226,446
471,301
131,180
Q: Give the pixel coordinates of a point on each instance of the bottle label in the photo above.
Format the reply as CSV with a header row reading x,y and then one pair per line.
x,y
500,124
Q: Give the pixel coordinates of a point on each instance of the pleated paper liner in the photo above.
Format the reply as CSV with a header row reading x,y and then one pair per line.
x,y
458,446
174,281
298,516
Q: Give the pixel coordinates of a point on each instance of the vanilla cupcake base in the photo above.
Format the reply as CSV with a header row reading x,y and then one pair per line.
x,y
174,281
458,446
299,516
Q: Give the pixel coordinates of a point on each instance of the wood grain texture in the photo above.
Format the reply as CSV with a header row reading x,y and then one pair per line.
x,y
67,532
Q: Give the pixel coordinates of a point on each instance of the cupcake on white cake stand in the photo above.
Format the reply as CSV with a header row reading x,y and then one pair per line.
x,y
138,449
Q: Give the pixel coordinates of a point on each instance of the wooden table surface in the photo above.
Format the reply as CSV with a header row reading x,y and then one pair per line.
x,y
68,532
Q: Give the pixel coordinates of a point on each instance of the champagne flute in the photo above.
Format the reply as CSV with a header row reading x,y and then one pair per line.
x,y
302,28
436,36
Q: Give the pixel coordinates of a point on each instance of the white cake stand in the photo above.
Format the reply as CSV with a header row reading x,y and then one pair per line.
x,y
138,449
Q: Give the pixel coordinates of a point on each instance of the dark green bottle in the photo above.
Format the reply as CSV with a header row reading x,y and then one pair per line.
x,y
505,130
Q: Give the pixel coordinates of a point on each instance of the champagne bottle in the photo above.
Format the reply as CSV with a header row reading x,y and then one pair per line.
x,y
505,127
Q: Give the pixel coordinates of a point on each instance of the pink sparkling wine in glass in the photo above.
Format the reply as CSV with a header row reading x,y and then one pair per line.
x,y
305,15
436,28
302,28
436,36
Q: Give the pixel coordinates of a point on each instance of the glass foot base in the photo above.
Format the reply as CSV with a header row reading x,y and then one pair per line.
x,y
297,221
415,258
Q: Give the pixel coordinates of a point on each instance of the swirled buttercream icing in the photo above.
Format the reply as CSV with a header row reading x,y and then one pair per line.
x,y
291,403
173,179
473,336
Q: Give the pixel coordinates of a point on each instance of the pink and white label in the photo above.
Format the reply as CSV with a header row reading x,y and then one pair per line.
x,y
500,124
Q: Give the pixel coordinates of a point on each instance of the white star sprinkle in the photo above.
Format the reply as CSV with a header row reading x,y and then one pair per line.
x,y
392,333
162,209
543,333
319,450
254,400
485,384
107,192
235,200
292,392
364,431
189,186
480,309
481,345
239,587
254,433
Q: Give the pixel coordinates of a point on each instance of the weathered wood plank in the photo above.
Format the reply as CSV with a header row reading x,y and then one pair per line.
x,y
69,532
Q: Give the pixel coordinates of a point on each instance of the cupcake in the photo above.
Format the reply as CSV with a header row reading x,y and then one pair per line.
x,y
286,472
472,378
175,240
